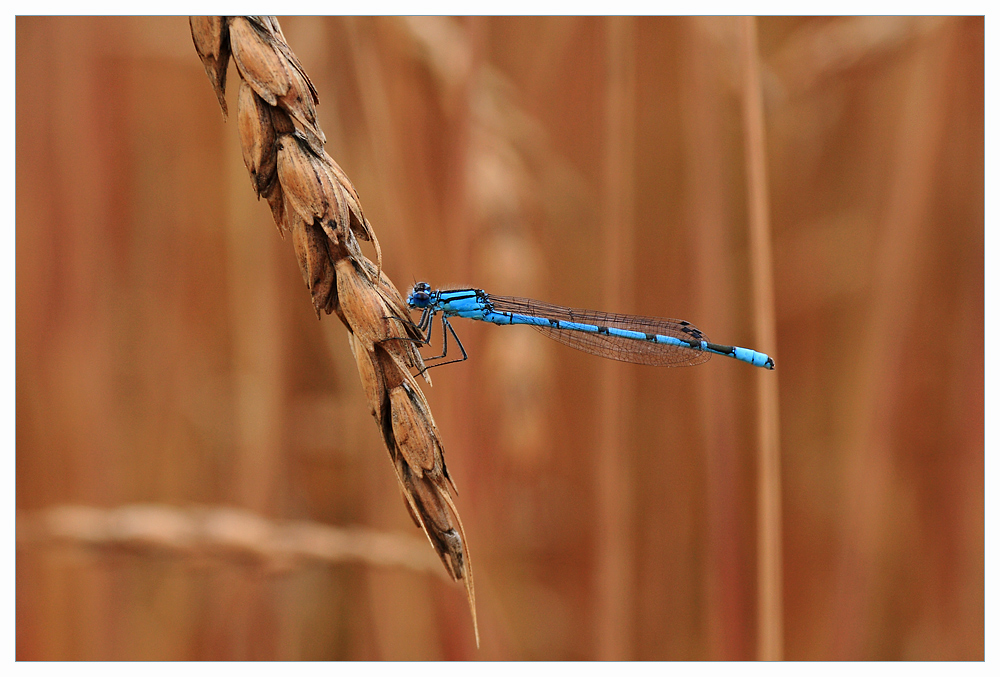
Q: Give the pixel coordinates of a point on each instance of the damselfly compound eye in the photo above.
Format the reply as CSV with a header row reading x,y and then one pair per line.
x,y
420,296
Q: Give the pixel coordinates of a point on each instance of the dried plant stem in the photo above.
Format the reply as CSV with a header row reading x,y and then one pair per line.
x,y
311,197
770,627
615,588
708,213
904,245
222,533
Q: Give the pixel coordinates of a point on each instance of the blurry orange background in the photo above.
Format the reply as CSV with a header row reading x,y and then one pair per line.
x,y
168,352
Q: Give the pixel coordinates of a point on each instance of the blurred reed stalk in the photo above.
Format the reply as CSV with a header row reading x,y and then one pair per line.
x,y
709,213
311,197
770,625
224,533
904,245
615,587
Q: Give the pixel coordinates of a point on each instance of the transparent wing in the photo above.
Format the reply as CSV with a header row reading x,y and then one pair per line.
x,y
613,347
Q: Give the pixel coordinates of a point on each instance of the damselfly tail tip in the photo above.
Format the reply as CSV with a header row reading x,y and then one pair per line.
x,y
769,364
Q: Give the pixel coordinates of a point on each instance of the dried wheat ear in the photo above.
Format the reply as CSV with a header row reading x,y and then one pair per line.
x,y
311,197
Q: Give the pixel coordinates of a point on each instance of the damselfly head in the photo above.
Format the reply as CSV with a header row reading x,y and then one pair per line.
x,y
420,296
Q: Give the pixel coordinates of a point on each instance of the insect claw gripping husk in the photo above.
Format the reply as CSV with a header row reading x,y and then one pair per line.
x,y
311,197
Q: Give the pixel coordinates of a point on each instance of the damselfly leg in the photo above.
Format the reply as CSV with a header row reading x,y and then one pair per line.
x,y
427,326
